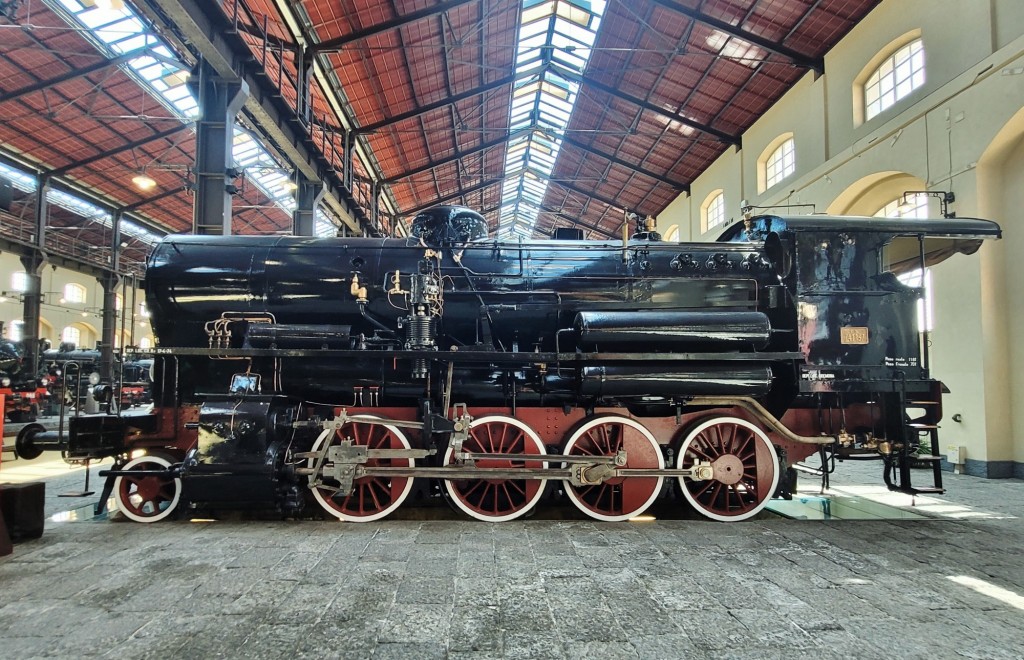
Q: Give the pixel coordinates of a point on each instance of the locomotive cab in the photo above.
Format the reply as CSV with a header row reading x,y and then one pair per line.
x,y
857,315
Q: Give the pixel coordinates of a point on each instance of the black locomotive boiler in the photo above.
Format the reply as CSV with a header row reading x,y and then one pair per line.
x,y
294,371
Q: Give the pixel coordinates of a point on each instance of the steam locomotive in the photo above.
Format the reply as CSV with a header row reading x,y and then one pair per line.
x,y
297,372
71,372
23,394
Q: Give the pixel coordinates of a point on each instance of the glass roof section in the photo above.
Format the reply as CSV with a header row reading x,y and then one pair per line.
x,y
28,183
117,30
558,32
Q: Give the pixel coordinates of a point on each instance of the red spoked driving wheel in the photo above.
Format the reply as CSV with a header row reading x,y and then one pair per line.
x,y
745,466
498,500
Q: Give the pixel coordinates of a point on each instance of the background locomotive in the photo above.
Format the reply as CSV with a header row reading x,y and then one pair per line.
x,y
24,394
71,373
292,370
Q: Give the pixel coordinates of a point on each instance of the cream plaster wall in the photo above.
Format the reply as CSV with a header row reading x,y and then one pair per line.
x,y
934,139
57,316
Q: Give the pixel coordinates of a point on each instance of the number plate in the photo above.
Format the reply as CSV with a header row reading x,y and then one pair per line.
x,y
853,335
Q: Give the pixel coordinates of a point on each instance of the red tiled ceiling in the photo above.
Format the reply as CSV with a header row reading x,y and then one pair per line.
x,y
664,58
87,115
647,51
421,62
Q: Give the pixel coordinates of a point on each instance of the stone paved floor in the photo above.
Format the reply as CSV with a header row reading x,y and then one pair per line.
x,y
948,587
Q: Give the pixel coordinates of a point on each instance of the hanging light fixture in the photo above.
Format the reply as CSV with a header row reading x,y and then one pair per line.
x,y
143,181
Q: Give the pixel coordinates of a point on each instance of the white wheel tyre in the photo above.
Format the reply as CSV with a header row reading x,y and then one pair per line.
x,y
745,463
623,497
147,499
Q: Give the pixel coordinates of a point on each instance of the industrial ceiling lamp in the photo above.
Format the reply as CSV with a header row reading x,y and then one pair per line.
x,y
143,181
945,199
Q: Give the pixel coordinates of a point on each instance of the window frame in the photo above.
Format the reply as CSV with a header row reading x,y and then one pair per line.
x,y
75,293
883,90
713,203
19,281
782,160
886,55
892,208
71,330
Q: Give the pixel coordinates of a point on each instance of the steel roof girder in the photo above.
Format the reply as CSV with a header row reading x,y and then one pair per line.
x,y
450,197
89,195
71,75
128,146
647,105
336,44
816,64
544,208
210,33
682,187
442,103
163,194
458,155
593,195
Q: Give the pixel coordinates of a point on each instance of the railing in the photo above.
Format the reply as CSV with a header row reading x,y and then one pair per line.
x,y
65,244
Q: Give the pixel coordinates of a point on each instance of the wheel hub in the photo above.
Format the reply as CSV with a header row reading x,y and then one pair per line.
x,y
728,469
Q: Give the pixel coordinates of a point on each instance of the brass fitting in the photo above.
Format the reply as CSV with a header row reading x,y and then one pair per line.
x,y
396,285
358,291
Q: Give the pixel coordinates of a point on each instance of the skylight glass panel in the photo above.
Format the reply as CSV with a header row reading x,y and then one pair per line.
x,y
567,28
542,10
736,49
578,13
524,90
27,183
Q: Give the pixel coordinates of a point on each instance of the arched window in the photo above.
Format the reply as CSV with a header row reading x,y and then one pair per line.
x,y
780,163
14,330
74,293
915,206
145,343
671,234
893,74
712,211
899,73
71,335
118,302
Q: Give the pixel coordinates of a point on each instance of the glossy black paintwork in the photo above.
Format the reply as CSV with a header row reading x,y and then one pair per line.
x,y
497,296
536,287
811,278
844,276
682,328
